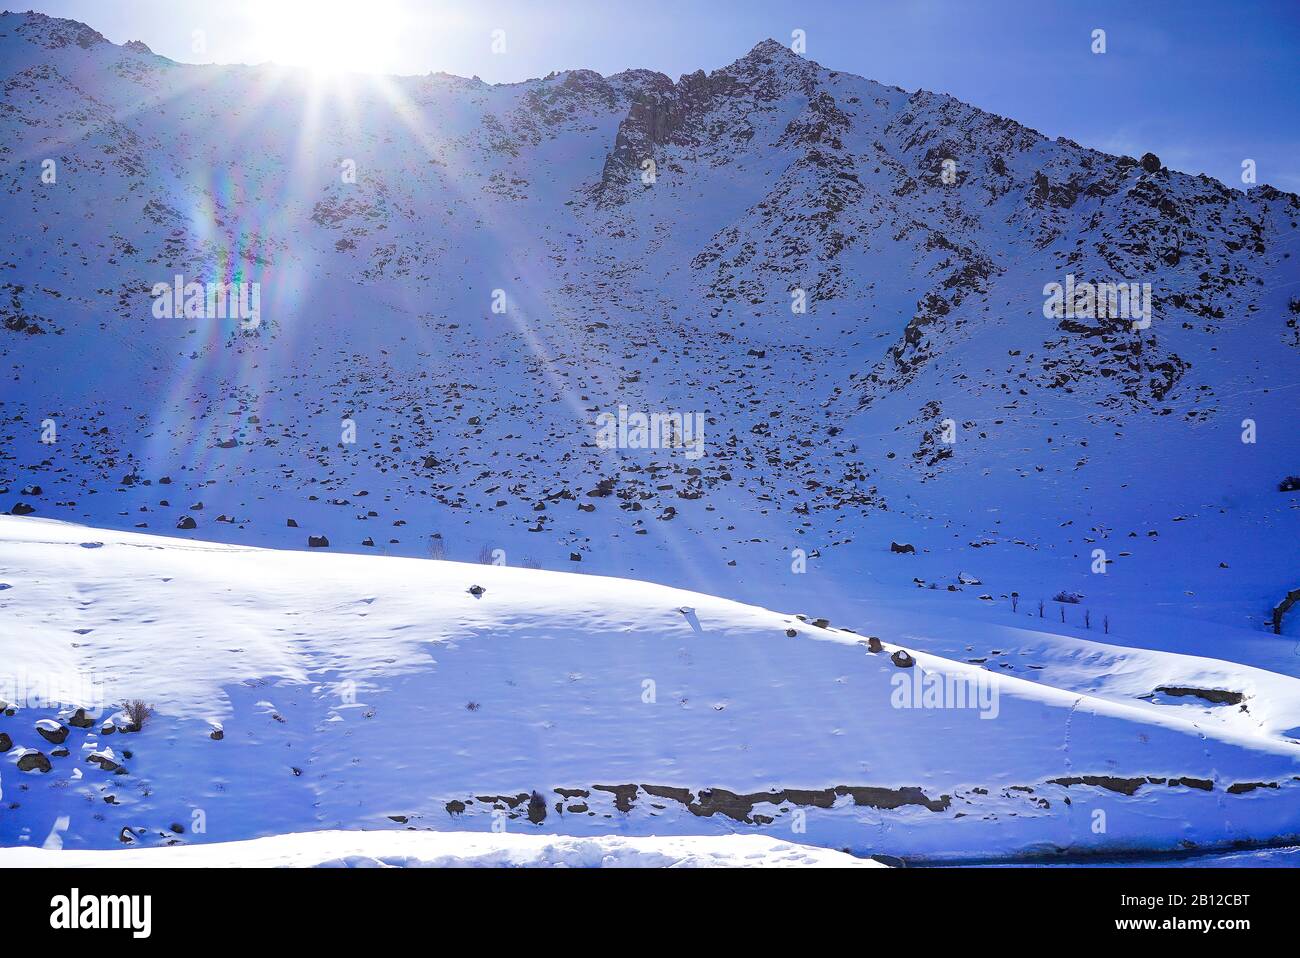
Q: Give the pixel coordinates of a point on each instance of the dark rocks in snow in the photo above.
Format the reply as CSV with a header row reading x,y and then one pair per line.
x,y
52,732
22,509
318,542
536,809
905,548
6,743
476,590
791,633
367,541
574,557
217,734
187,522
1289,484
104,762
292,523
33,762
873,644
902,659
30,491
1151,163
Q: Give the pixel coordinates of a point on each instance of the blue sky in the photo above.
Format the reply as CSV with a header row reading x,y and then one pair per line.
x,y
1203,83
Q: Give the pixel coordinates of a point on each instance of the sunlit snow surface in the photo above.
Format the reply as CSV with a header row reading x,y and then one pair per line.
x,y
367,692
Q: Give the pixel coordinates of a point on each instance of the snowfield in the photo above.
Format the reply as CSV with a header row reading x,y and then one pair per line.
x,y
454,850
350,692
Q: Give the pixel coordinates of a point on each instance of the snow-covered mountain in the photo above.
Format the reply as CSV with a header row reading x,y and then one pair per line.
x,y
843,285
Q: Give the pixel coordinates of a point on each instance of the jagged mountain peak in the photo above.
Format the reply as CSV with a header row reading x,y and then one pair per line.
x,y
49,32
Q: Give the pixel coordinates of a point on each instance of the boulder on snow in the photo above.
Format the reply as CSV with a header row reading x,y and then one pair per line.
x,y
1151,163
105,759
80,719
902,547
318,542
33,761
902,659
187,522
873,644
21,509
476,590
6,743
536,809
52,731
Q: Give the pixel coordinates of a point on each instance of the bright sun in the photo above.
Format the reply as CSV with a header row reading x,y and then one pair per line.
x,y
328,35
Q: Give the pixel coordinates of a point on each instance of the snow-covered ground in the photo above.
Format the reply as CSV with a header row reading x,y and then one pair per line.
x,y
453,850
360,692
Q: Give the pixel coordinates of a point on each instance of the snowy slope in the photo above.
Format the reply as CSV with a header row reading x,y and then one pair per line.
x,y
454,850
476,430
356,692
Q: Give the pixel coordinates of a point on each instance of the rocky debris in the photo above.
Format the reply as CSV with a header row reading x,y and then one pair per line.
x,y
874,644
6,743
217,734
903,548
317,542
902,659
1151,163
476,590
79,719
187,522
22,509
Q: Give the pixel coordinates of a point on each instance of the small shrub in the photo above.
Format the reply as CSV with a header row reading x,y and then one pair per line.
x,y
436,548
137,713
485,555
